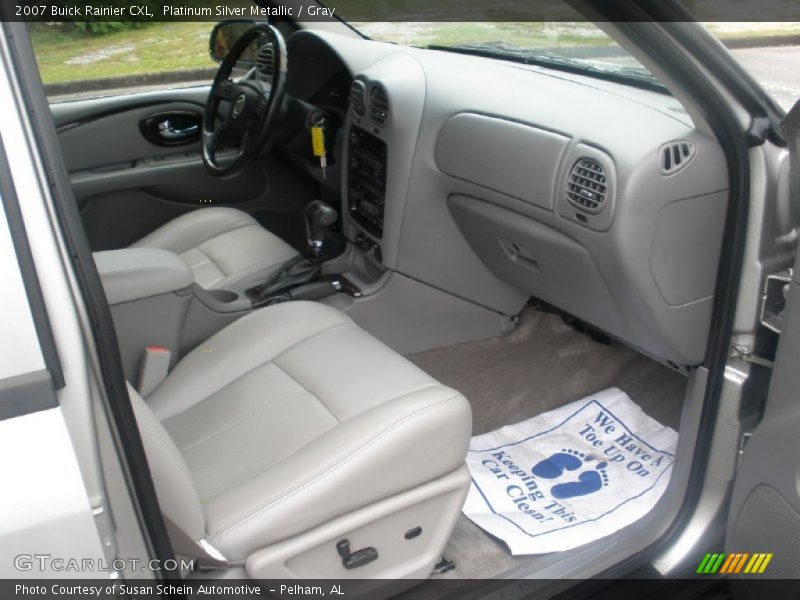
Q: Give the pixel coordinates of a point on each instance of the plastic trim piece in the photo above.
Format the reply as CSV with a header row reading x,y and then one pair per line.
x,y
26,394
27,269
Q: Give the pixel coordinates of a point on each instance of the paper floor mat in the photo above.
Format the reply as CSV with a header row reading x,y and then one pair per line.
x,y
569,476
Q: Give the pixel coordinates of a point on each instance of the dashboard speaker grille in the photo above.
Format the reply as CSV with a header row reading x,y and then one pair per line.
x,y
357,91
378,106
587,186
265,61
675,156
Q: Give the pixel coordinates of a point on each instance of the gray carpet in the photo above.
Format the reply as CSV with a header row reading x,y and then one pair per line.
x,y
539,366
544,364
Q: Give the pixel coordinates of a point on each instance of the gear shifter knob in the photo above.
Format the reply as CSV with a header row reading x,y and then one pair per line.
x,y
319,218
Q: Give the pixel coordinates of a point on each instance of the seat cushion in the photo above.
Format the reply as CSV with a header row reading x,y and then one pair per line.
x,y
225,248
294,415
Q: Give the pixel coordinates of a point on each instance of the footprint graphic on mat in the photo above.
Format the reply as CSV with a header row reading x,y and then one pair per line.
x,y
588,482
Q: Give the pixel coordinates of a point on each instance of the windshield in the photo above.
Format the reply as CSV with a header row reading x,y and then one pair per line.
x,y
579,46
767,50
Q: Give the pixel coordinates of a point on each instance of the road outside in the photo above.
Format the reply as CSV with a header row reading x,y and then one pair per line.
x,y
776,69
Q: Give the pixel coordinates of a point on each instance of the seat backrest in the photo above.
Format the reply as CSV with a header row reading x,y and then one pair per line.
x,y
177,494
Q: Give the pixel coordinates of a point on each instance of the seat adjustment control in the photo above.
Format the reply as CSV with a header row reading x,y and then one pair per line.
x,y
356,559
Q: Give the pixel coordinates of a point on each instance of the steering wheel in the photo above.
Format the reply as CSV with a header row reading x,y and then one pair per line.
x,y
251,105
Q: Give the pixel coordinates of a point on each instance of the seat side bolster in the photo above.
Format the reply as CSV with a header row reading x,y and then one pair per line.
x,y
393,447
177,495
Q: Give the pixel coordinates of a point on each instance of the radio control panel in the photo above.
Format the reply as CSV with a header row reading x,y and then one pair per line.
x,y
366,180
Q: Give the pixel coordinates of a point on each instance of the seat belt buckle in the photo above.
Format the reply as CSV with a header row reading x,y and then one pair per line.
x,y
154,369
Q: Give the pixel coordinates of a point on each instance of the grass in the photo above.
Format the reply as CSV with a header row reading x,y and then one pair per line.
x,y
66,54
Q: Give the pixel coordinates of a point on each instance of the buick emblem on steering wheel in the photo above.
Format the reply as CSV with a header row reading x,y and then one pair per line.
x,y
238,105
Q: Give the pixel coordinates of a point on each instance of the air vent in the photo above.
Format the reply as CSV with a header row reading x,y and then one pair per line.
x,y
357,92
378,106
674,156
265,61
587,186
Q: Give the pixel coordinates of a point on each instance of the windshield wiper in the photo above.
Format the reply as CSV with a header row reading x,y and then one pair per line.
x,y
545,58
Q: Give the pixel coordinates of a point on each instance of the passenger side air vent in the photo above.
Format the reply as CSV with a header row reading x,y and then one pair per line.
x,y
674,156
587,186
265,62
378,106
357,93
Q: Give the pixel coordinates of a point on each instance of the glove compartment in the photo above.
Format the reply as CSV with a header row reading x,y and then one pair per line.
x,y
538,260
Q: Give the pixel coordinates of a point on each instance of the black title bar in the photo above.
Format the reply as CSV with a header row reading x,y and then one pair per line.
x,y
387,10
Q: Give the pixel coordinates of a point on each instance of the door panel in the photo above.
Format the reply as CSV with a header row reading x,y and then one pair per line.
x,y
115,138
127,181
765,507
76,111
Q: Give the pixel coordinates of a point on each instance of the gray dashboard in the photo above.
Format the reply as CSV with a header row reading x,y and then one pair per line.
x,y
506,181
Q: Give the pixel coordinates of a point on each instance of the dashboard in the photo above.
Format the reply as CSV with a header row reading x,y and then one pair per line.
x,y
599,198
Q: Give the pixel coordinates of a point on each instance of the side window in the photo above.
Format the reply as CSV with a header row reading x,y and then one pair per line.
x,y
89,59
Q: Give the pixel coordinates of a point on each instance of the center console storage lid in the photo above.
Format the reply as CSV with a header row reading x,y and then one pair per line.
x,y
134,273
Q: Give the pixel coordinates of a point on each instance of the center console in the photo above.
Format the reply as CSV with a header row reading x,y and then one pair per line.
x,y
366,180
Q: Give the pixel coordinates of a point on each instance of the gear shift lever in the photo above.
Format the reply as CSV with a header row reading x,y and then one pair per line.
x,y
319,218
300,270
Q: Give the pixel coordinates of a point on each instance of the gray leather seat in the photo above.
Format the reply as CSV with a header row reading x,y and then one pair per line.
x,y
292,429
224,247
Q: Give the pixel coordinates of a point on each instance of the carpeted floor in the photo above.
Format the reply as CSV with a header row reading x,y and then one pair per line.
x,y
541,365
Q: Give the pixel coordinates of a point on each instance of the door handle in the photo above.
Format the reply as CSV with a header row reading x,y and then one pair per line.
x,y
167,131
173,128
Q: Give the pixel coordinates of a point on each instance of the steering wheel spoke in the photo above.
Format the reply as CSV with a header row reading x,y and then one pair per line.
x,y
226,90
211,140
261,107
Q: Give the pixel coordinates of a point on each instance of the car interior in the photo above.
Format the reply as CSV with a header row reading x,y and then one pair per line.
x,y
345,258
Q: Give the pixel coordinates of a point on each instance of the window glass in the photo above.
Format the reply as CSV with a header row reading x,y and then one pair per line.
x,y
93,59
770,52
